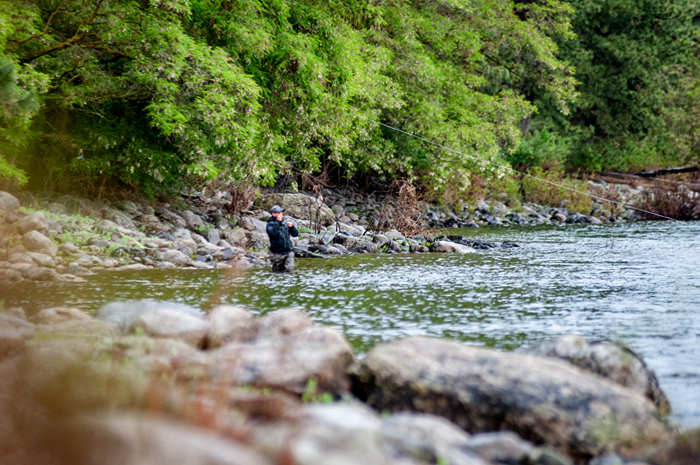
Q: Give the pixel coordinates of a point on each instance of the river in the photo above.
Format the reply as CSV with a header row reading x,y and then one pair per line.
x,y
635,283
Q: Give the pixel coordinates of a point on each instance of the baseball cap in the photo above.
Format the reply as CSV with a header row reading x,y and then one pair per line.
x,y
276,209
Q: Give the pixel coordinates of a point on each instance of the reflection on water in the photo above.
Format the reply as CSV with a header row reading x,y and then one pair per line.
x,y
637,283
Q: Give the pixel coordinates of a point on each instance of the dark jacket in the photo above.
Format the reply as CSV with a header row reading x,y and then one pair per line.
x,y
279,233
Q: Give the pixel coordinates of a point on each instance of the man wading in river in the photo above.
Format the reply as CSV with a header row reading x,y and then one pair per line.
x,y
281,250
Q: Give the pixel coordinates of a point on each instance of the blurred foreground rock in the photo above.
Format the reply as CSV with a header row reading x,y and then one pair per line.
x,y
608,359
545,400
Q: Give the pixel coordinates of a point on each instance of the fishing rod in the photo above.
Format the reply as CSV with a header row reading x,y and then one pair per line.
x,y
509,168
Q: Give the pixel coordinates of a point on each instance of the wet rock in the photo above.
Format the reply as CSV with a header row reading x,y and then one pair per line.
x,y
34,241
299,206
133,439
544,400
14,332
450,247
288,363
55,315
77,270
8,202
558,216
608,359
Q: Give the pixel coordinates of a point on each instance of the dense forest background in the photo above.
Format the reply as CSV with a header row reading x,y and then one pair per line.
x,y
157,96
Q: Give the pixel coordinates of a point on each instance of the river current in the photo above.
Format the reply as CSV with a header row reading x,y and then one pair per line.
x,y
636,283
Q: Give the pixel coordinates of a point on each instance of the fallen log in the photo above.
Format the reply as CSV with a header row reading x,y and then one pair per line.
x,y
653,174
632,179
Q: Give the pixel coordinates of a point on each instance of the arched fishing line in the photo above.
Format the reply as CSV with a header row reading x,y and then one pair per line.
x,y
515,171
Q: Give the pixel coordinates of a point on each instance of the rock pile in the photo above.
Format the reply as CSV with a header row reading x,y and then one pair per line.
x,y
163,383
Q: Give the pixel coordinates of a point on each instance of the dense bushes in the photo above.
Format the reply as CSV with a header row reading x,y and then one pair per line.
x,y
162,95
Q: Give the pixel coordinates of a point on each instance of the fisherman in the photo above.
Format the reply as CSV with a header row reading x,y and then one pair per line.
x,y
281,250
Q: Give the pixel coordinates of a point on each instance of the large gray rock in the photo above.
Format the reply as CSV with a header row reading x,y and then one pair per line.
x,y
173,324
250,223
544,400
355,244
34,241
288,363
299,206
450,247
136,439
171,217
608,359
8,202
193,220
123,314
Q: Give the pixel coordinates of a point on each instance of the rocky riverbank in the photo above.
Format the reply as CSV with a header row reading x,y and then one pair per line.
x,y
164,383
64,238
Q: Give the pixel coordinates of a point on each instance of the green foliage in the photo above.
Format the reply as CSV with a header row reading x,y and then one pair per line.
x,y
167,95
622,53
311,394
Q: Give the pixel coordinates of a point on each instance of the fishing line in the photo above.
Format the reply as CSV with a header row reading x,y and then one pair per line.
x,y
506,167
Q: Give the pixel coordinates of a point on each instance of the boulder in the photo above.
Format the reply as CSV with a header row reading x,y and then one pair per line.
x,y
123,314
14,332
59,315
34,241
299,206
450,247
42,259
135,439
428,436
355,244
8,202
33,222
508,447
41,274
228,323
192,220
281,323
171,217
545,400
608,359
173,324
175,257
118,218
287,363
250,223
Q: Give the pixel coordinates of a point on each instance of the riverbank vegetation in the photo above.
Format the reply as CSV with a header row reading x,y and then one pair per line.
x,y
160,96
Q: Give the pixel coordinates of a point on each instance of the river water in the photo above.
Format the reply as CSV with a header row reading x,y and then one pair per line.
x,y
636,283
